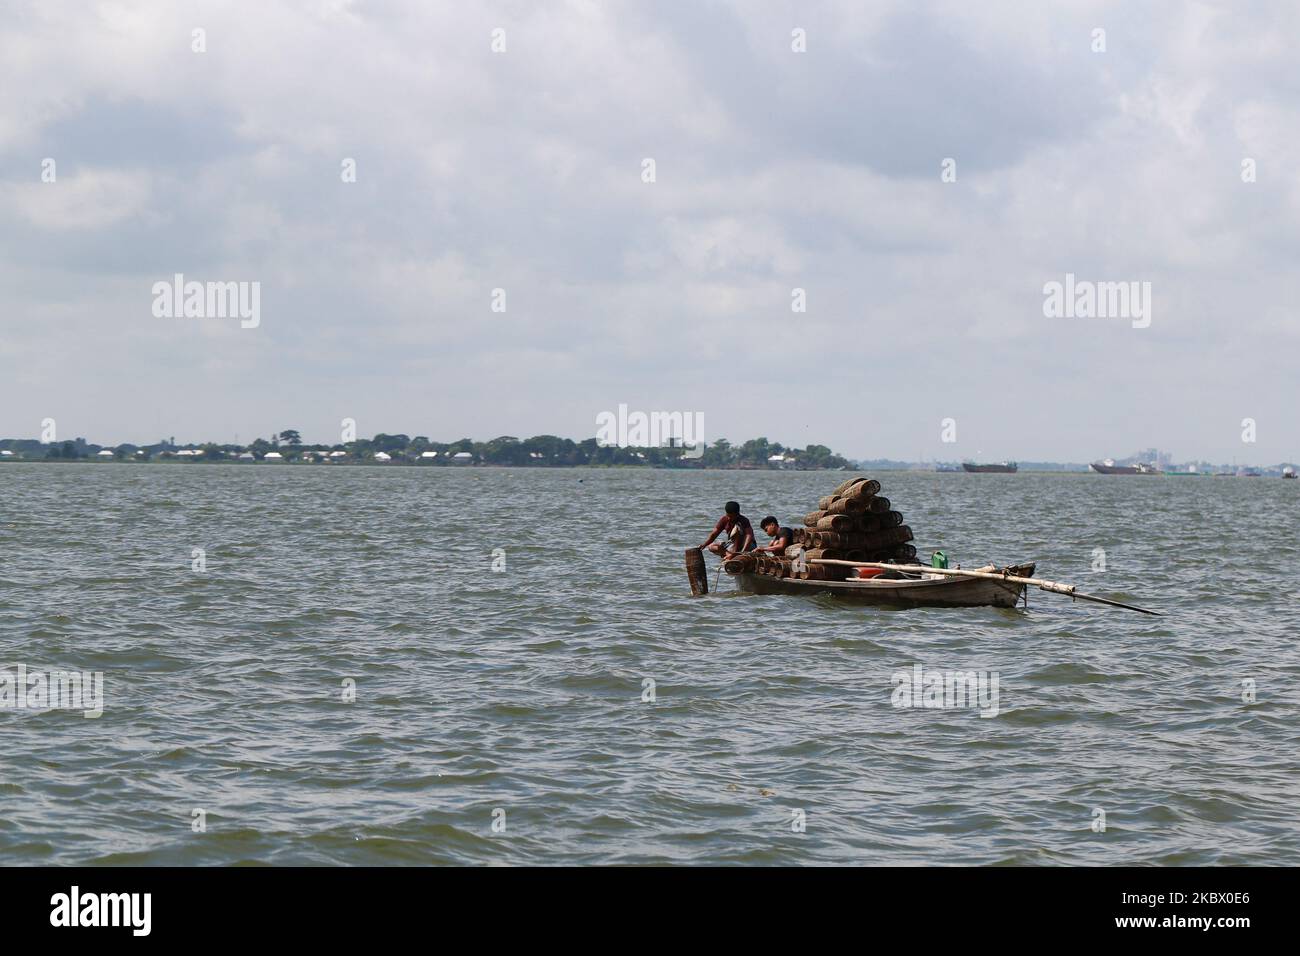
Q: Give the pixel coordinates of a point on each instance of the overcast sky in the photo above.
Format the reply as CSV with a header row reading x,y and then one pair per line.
x,y
774,170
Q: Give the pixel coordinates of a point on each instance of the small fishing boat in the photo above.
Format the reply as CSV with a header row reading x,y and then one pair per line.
x,y
848,551
907,590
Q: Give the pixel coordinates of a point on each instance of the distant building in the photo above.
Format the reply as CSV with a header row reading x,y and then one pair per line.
x,y
105,453
462,458
383,456
273,456
428,455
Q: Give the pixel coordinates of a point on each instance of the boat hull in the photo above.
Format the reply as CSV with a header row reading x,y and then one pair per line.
x,y
943,592
988,469
1122,469
1113,469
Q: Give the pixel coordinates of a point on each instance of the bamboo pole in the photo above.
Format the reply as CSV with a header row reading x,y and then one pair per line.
x,y
1053,586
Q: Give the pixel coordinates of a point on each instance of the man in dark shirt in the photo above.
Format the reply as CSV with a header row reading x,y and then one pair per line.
x,y
739,532
782,537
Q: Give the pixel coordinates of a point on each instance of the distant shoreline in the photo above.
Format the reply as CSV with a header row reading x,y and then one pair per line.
x,y
551,451
371,463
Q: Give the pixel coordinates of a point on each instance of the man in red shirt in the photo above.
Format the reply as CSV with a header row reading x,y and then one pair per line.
x,y
739,532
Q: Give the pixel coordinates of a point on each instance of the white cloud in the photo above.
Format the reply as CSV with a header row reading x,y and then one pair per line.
x,y
88,199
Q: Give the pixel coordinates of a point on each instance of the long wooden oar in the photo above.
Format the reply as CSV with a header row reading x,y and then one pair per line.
x,y
1067,589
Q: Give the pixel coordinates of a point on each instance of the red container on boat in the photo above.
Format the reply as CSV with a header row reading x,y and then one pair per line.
x,y
869,572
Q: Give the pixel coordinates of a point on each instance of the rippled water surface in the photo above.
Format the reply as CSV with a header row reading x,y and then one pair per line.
x,y
520,691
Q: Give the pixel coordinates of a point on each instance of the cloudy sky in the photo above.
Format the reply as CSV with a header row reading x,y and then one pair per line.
x,y
774,170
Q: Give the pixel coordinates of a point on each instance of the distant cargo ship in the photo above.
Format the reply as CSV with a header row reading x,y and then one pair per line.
x,y
1108,467
1004,468
1288,472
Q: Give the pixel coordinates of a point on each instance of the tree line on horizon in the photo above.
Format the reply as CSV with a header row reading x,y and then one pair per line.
x,y
539,450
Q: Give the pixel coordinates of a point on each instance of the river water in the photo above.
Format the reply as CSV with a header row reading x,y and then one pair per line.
x,y
577,705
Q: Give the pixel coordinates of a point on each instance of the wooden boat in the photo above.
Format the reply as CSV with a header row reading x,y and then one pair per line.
x,y
910,591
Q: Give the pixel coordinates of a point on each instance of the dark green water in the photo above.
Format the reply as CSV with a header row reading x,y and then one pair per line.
x,y
521,691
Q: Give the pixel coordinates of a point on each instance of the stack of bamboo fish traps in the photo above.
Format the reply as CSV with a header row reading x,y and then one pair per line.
x,y
852,523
